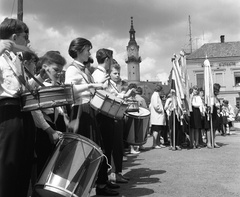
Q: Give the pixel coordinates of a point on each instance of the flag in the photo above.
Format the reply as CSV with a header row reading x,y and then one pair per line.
x,y
208,84
176,86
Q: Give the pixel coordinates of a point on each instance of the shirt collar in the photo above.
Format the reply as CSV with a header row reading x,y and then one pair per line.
x,y
79,64
102,69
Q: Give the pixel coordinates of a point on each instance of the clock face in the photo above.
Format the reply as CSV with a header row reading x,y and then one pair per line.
x,y
132,50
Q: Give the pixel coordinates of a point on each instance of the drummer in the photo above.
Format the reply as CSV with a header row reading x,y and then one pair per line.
x,y
115,88
45,119
133,149
83,87
29,60
17,130
106,125
83,119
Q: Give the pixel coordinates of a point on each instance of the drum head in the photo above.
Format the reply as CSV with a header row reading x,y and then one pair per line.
x,y
143,112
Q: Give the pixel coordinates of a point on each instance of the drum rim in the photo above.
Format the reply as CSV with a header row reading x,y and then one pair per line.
x,y
50,88
111,97
131,114
79,137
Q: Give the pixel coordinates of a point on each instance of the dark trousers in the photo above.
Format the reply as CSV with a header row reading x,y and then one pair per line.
x,y
44,148
106,126
17,135
117,153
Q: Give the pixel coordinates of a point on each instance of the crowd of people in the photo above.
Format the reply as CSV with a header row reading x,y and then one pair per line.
x,y
194,128
28,138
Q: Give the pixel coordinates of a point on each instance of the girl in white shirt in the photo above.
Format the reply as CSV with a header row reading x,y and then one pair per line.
x,y
195,118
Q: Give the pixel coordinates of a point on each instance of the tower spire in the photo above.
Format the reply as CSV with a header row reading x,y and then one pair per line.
x,y
132,31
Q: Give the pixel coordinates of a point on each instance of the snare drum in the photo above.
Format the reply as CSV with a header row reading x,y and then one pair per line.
x,y
108,104
47,97
136,126
72,169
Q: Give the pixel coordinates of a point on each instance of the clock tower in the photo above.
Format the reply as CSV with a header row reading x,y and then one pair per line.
x,y
133,59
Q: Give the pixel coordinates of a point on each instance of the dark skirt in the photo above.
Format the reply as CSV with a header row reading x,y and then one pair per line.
x,y
216,119
87,122
206,124
195,118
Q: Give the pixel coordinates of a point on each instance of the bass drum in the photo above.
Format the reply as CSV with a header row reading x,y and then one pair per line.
x,y
72,169
136,126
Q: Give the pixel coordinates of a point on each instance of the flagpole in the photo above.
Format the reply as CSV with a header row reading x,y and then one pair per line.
x,y
20,10
211,130
174,143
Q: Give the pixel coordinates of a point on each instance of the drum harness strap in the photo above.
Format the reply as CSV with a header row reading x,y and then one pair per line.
x,y
112,85
19,77
89,80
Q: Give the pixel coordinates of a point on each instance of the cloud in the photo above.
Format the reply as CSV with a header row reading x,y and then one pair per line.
x,y
162,27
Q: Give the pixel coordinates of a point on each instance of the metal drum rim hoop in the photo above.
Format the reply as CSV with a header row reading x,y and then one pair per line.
x,y
65,191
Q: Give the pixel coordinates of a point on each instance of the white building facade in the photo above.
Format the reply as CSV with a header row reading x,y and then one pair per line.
x,y
224,58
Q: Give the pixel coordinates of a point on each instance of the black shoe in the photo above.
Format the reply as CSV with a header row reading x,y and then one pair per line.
x,y
178,148
112,185
120,179
106,191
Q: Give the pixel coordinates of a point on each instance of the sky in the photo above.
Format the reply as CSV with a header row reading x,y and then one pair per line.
x,y
163,27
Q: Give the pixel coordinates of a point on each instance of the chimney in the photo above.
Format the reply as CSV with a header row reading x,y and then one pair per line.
x,y
222,38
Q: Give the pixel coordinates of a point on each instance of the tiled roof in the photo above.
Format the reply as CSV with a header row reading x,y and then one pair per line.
x,y
216,50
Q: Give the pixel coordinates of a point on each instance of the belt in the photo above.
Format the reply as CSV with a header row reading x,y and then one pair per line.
x,y
9,101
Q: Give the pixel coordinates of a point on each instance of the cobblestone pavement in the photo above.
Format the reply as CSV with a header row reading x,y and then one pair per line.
x,y
186,173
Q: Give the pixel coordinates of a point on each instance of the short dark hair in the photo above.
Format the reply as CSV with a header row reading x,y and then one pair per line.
x,y
216,87
115,65
78,45
225,102
158,88
11,26
132,85
27,55
102,54
139,90
54,57
49,58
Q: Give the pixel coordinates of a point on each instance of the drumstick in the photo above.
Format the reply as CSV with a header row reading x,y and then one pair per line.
x,y
74,124
29,73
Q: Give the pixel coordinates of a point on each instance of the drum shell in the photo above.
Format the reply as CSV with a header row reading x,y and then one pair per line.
x,y
132,106
136,127
108,104
47,97
72,169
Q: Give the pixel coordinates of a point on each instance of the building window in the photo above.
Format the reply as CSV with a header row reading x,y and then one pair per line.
x,y
219,78
237,78
200,80
238,102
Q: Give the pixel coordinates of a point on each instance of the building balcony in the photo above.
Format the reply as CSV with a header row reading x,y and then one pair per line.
x,y
133,59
